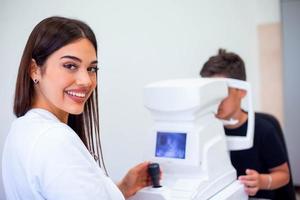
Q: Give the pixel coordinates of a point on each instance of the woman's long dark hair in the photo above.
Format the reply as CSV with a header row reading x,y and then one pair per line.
x,y
48,36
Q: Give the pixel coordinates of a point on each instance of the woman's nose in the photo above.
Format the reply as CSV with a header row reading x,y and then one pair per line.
x,y
83,78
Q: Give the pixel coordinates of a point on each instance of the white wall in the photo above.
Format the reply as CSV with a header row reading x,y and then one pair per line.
x,y
140,42
267,11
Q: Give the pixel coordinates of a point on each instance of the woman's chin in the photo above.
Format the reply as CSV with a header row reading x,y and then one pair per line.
x,y
76,111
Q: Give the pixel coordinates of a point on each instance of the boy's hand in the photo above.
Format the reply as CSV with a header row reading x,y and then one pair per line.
x,y
251,181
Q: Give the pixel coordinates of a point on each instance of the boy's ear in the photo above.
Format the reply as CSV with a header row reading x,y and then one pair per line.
x,y
35,71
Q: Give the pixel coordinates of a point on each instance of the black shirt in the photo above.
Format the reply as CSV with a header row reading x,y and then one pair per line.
x,y
267,151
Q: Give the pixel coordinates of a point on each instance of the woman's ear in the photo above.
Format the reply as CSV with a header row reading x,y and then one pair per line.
x,y
35,71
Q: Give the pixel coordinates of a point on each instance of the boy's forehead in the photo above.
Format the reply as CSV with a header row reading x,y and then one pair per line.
x,y
219,76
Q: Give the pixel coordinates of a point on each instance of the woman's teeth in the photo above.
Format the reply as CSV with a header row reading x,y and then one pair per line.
x,y
76,94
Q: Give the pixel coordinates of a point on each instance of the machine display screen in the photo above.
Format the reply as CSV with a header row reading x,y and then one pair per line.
x,y
170,145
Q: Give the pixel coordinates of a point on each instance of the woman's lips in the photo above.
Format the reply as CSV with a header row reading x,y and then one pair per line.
x,y
79,96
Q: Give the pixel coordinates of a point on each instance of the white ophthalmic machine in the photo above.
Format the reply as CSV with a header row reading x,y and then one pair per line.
x,y
189,143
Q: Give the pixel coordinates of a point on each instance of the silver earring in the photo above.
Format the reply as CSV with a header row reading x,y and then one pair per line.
x,y
35,81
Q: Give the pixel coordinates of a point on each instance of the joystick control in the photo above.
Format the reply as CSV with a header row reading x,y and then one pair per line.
x,y
154,172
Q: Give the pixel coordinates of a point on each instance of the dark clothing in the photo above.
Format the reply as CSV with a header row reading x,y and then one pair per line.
x,y
267,151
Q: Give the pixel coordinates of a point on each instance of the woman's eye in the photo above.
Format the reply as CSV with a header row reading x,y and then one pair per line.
x,y
70,66
93,69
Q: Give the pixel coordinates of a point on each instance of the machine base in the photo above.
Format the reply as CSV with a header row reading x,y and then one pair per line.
x,y
234,191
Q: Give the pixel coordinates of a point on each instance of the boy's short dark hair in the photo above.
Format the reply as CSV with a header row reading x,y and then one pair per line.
x,y
227,64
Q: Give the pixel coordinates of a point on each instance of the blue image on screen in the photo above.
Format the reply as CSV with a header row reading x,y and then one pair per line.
x,y
170,145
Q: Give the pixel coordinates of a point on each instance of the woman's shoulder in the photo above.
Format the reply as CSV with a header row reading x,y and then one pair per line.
x,y
36,121
37,125
34,130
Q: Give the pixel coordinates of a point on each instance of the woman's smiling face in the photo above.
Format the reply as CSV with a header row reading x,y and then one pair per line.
x,y
67,79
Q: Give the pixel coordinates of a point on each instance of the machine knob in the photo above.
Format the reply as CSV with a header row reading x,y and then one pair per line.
x,y
154,172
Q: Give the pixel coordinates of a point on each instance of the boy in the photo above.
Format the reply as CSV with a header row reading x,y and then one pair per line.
x,y
263,167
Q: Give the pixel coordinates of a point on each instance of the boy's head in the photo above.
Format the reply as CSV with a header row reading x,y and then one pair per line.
x,y
224,64
227,65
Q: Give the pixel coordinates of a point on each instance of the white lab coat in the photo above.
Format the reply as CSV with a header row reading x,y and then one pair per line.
x,y
45,159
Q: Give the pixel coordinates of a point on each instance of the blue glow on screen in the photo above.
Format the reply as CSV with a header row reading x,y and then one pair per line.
x,y
170,145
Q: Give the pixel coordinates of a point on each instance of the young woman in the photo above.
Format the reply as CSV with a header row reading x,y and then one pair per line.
x,y
53,148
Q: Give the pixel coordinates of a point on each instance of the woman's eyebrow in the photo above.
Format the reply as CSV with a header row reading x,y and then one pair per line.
x,y
94,62
72,57
77,59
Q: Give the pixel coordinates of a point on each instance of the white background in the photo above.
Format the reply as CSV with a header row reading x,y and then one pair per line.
x,y
139,42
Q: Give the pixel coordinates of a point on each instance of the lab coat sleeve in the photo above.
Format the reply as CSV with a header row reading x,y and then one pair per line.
x,y
62,169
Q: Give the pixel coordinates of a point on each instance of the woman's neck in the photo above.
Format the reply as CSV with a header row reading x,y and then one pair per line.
x,y
61,115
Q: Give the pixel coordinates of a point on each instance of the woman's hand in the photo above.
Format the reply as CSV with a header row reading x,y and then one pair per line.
x,y
135,179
